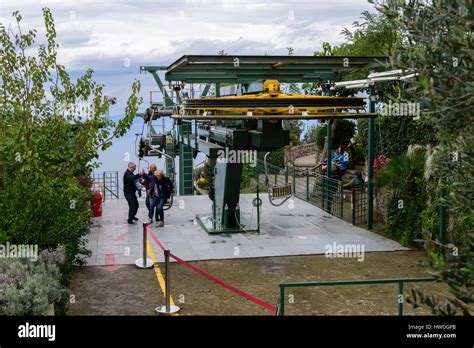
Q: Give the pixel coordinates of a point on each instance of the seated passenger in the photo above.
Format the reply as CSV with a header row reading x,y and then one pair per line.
x,y
339,163
202,181
356,181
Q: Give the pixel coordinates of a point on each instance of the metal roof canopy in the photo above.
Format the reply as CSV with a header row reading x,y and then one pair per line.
x,y
247,68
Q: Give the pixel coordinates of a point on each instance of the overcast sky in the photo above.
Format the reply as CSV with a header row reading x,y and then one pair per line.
x,y
115,37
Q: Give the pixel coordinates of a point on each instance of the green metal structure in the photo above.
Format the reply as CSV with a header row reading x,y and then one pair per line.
x,y
400,281
213,134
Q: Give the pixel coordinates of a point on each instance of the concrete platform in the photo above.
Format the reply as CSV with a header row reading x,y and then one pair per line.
x,y
301,229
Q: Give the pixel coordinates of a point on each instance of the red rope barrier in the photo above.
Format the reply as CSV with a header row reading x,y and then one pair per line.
x,y
214,279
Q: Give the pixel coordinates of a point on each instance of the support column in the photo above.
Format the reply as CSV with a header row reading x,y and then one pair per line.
x,y
442,206
185,160
370,159
329,148
170,150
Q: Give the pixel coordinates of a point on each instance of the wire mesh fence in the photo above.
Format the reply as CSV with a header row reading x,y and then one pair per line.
x,y
359,204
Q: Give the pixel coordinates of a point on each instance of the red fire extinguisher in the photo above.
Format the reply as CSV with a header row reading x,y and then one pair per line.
x,y
96,204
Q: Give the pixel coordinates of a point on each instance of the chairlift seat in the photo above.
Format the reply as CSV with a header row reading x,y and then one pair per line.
x,y
280,192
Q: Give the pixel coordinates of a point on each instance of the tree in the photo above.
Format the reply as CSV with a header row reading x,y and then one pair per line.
x,y
51,131
310,135
375,35
437,44
344,133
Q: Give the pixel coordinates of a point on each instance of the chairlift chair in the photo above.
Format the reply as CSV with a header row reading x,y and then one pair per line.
x,y
277,195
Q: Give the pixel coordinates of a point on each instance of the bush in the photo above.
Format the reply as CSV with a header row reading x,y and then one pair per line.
x,y
30,288
403,177
47,211
393,135
404,224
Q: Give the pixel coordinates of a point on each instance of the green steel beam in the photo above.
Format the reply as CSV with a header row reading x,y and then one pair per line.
x,y
211,150
168,101
279,62
209,77
370,158
206,89
151,68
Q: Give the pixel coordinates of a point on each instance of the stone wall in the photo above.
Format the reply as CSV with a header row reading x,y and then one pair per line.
x,y
299,151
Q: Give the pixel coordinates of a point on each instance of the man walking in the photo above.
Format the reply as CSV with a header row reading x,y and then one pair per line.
x,y
129,190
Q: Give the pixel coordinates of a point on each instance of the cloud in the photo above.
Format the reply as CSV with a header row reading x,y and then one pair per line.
x,y
115,37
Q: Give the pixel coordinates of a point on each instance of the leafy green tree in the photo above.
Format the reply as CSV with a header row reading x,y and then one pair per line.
x,y
377,35
344,132
51,131
310,135
296,129
437,43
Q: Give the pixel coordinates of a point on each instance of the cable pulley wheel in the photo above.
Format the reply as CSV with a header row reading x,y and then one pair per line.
x,y
257,202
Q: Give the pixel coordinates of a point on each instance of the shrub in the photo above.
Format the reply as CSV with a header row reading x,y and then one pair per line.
x,y
403,177
30,288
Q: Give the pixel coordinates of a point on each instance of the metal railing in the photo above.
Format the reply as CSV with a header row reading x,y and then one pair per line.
x,y
359,204
106,183
324,192
399,281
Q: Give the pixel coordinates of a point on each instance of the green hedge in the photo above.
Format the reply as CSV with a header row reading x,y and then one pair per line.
x,y
47,211
394,134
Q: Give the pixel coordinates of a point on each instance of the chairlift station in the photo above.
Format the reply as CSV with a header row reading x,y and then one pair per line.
x,y
250,118
241,107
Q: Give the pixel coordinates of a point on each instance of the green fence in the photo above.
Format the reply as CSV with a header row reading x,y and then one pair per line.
x,y
359,204
319,190
399,281
107,183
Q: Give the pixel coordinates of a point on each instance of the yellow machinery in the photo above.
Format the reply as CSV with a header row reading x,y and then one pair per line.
x,y
272,102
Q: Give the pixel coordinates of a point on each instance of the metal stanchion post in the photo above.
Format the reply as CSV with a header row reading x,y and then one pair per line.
x,y
167,309
144,262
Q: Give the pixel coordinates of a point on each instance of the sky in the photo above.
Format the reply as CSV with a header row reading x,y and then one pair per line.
x,y
115,38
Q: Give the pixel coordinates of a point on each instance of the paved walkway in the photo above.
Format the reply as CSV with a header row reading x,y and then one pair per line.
x,y
301,229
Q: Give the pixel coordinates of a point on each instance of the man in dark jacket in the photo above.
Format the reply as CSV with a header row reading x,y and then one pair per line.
x,y
146,180
161,189
129,190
